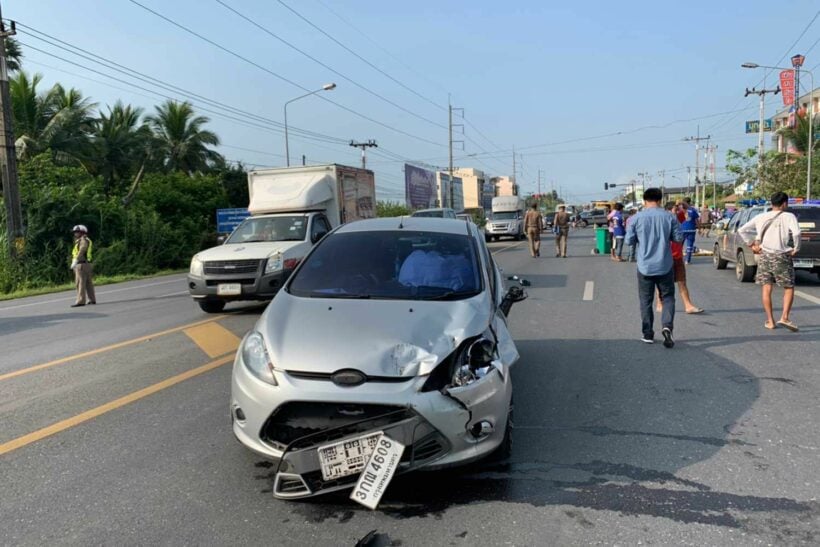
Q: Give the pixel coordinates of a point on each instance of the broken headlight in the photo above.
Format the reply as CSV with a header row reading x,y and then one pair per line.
x,y
470,362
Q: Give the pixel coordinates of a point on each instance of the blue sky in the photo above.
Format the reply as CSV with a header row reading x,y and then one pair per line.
x,y
529,74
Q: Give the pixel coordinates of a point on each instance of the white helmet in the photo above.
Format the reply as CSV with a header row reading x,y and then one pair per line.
x,y
80,228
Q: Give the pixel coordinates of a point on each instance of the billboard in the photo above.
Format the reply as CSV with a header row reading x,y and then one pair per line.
x,y
420,188
753,126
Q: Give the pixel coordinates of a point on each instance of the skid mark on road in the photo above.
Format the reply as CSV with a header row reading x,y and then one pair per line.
x,y
213,339
103,349
68,423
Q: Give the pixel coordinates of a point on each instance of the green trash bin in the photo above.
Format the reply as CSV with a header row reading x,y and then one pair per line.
x,y
603,244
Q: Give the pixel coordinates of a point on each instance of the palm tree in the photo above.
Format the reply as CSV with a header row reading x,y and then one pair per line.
x,y
14,55
121,144
181,140
798,136
59,120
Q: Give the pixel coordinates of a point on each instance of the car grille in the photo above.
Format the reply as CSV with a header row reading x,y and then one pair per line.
x,y
216,282
299,425
232,266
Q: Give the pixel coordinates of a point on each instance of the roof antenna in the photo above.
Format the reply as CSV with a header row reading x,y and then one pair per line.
x,y
401,222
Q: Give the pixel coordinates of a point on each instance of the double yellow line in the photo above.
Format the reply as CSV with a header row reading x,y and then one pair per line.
x,y
225,346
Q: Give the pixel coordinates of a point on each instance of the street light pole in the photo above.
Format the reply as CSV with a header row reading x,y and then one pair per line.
x,y
810,114
326,87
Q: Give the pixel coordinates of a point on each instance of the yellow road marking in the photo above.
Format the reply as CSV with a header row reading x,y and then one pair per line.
x,y
213,339
53,429
97,351
507,247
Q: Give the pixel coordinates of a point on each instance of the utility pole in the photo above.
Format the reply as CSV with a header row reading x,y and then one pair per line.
x,y
363,145
451,141
697,140
760,145
8,153
513,174
662,174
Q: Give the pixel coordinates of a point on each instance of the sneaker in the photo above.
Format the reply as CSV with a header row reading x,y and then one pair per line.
x,y
667,338
646,340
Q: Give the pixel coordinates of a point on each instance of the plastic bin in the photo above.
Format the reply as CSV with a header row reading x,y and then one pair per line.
x,y
603,244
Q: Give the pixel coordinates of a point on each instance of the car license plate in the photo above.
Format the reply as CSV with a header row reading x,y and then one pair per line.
x,y
346,457
378,472
803,263
228,289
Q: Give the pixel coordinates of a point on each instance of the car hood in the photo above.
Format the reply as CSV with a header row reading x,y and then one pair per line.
x,y
246,251
377,337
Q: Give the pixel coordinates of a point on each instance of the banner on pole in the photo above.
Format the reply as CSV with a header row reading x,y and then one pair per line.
x,y
787,86
753,126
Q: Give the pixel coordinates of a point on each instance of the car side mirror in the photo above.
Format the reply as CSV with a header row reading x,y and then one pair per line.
x,y
221,239
514,294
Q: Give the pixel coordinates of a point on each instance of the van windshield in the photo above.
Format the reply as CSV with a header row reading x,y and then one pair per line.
x,y
505,215
263,229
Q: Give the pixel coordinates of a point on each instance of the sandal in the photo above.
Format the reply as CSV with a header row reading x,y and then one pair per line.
x,y
788,325
695,310
766,326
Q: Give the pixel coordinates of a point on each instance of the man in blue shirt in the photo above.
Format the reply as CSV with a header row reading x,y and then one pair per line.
x,y
689,227
650,231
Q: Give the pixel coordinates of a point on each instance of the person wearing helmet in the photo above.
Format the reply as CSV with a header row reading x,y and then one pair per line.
x,y
81,256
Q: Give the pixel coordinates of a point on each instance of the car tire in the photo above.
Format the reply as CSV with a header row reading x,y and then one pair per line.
x,y
584,224
717,260
212,306
743,271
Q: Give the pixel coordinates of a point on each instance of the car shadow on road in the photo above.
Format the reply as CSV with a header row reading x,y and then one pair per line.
x,y
604,425
15,325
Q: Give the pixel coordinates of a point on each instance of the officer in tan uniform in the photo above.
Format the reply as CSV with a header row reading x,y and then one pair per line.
x,y
81,256
533,224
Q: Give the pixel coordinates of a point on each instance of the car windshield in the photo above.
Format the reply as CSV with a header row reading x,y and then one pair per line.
x,y
280,228
394,265
506,215
429,214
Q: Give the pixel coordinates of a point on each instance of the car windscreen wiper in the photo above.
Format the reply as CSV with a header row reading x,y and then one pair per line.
x,y
450,295
352,296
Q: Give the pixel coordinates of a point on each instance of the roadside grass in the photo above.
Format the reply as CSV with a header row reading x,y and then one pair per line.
x,y
98,281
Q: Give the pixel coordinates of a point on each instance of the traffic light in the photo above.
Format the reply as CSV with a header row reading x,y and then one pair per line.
x,y
606,186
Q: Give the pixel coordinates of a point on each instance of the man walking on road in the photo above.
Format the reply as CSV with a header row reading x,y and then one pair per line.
x,y
690,227
679,269
770,234
81,256
618,232
533,224
561,224
651,231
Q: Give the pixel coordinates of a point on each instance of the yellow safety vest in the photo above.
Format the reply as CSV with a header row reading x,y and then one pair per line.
x,y
75,252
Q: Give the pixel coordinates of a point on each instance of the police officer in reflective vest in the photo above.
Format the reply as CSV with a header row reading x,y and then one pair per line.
x,y
81,256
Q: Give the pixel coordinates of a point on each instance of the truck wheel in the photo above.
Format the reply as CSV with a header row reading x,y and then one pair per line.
x,y
212,306
719,263
743,271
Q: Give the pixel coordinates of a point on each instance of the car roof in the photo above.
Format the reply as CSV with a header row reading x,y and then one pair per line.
x,y
422,224
433,210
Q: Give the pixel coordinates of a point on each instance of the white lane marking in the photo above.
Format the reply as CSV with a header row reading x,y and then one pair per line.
x,y
507,247
588,290
103,293
808,297
172,294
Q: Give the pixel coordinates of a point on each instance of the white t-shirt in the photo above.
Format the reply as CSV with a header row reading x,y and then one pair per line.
x,y
776,239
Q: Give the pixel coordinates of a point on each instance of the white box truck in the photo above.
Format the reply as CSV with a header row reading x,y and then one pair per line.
x,y
291,209
507,218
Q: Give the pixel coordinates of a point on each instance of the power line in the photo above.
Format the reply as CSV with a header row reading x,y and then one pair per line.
x,y
368,63
280,77
328,67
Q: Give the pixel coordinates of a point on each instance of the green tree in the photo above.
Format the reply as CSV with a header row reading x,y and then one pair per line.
x,y
58,120
122,143
391,209
798,135
182,142
14,56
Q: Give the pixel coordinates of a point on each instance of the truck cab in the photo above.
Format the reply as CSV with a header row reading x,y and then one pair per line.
x,y
291,210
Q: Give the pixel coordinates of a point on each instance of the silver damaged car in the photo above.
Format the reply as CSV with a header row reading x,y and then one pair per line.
x,y
393,326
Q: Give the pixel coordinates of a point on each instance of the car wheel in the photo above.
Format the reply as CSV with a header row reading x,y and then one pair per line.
x,y
720,263
743,271
584,224
212,306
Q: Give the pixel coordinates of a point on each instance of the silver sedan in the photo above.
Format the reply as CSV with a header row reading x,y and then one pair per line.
x,y
391,327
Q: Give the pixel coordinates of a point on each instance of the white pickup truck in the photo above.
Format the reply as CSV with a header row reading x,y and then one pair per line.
x,y
291,209
507,219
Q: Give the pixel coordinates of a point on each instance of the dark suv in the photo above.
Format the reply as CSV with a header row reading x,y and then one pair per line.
x,y
730,247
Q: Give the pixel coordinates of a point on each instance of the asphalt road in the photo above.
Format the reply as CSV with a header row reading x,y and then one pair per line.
x,y
714,442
